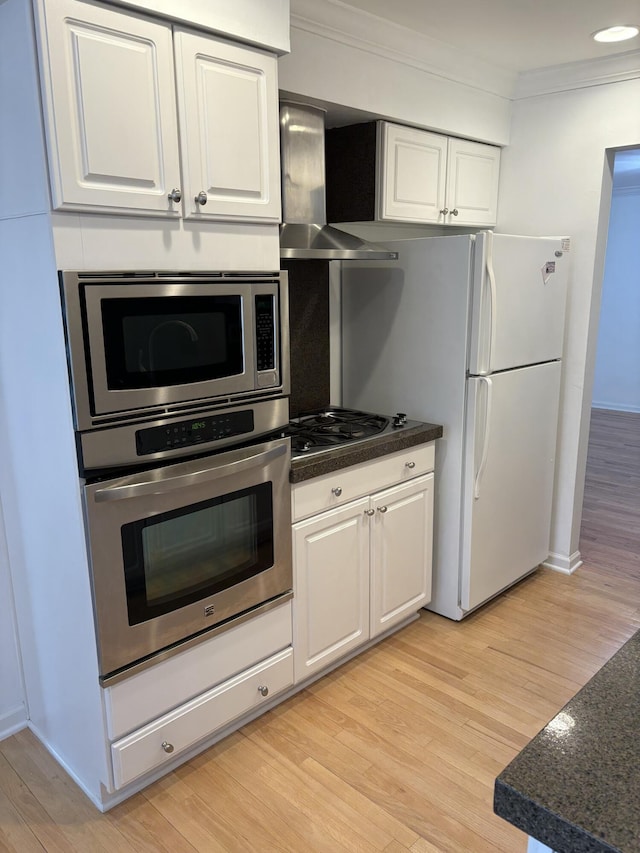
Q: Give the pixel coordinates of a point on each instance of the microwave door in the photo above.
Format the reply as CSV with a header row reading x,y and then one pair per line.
x,y
149,346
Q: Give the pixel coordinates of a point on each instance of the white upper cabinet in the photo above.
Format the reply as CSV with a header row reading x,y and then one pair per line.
x,y
472,183
229,132
379,171
111,109
413,171
428,178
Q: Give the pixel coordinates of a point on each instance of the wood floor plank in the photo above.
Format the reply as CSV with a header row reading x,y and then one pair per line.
x,y
15,834
395,751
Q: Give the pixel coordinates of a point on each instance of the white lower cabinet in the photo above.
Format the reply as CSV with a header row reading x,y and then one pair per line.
x,y
401,549
165,738
364,566
163,711
331,583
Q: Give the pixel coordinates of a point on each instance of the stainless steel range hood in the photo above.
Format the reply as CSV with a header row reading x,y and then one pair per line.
x,y
305,233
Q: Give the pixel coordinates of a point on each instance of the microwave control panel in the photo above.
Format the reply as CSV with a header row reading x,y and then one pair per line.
x,y
265,333
194,431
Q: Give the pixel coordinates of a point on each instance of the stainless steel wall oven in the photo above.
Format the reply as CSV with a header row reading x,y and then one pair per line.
x,y
179,550
178,382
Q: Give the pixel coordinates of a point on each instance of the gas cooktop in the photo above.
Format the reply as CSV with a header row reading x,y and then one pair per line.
x,y
325,429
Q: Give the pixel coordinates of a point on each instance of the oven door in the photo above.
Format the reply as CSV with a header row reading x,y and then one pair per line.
x,y
179,550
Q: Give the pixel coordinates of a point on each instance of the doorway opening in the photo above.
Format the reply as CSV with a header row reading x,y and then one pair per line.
x,y
610,529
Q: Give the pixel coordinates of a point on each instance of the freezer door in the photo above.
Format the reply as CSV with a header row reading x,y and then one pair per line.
x,y
518,302
508,478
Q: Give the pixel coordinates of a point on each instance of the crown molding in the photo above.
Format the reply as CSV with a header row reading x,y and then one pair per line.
x,y
361,30
578,75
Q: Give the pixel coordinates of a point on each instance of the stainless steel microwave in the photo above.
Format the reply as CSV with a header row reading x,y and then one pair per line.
x,y
145,343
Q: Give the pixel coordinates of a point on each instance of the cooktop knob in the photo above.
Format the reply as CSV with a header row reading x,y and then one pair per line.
x,y
400,419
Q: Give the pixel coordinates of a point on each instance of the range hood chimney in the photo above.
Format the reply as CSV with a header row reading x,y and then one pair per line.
x,y
305,233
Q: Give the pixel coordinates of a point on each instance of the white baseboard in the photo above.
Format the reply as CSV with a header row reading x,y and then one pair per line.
x,y
615,407
561,563
13,721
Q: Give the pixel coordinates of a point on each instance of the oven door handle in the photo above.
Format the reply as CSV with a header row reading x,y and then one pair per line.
x,y
165,484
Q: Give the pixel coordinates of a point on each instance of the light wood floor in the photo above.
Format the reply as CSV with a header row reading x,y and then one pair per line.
x,y
396,750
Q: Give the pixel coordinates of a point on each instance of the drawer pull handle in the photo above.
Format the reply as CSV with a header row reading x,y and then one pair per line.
x,y
337,491
168,747
263,690
382,509
410,464
369,512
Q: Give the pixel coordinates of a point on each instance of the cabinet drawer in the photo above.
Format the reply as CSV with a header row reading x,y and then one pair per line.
x,y
339,487
153,692
146,749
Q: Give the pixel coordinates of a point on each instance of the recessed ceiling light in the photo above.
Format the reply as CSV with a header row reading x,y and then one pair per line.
x,y
621,33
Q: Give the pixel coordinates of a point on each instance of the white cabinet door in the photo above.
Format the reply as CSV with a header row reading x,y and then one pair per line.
x,y
402,534
110,110
412,174
472,183
331,586
229,132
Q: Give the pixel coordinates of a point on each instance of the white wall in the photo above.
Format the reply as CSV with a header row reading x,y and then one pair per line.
x,y
552,178
344,57
13,711
617,376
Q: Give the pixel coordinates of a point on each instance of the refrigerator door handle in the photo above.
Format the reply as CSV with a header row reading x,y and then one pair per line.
x,y
493,298
485,438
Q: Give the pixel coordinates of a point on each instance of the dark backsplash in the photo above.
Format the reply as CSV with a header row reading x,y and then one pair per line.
x,y
309,330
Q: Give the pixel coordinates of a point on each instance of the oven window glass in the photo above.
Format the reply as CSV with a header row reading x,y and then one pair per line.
x,y
186,555
153,342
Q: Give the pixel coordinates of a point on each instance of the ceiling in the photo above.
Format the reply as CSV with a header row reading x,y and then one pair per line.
x,y
517,35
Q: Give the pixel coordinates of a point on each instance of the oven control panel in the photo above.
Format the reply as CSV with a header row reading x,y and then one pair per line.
x,y
194,431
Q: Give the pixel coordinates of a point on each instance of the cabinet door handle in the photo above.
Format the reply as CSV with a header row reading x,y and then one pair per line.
x,y
382,509
175,195
454,212
168,747
410,464
444,211
369,512
337,491
263,690
201,198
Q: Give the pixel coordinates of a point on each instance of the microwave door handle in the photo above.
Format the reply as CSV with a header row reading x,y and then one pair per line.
x,y
166,484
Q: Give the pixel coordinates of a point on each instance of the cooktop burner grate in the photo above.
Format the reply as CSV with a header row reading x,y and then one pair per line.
x,y
333,427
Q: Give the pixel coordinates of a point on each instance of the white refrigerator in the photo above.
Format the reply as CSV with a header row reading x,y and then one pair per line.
x,y
467,331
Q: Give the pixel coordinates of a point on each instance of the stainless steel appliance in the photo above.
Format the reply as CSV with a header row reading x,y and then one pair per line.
x,y
143,343
326,429
304,232
179,382
186,548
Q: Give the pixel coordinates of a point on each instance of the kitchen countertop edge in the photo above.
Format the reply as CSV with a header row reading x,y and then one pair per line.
x,y
306,467
583,796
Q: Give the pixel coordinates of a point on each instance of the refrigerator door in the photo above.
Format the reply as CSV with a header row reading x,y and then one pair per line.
x,y
509,464
519,296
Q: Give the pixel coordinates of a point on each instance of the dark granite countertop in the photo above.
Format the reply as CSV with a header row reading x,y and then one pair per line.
x,y
576,786
314,465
